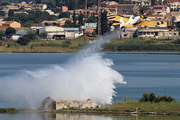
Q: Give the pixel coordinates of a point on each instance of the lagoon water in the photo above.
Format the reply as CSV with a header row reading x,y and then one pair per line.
x,y
157,72
49,116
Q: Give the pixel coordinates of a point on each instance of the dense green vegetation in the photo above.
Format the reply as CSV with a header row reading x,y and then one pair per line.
x,y
78,4
30,43
8,110
28,19
152,98
142,45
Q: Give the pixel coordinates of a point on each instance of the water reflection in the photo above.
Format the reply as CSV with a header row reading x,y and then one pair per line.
x,y
59,116
49,116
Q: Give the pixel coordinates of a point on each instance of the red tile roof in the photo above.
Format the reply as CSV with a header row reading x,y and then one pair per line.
x,y
2,17
36,25
154,15
161,6
8,22
173,0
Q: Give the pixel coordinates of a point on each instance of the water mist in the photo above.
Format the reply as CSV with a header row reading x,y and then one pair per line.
x,y
87,75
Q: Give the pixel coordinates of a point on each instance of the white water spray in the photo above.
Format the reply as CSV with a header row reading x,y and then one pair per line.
x,y
87,75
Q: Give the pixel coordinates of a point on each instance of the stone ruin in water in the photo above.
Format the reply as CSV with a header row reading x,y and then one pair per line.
x,y
49,104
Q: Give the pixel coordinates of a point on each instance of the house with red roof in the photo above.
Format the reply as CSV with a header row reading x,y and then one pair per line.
x,y
161,10
12,24
174,4
106,3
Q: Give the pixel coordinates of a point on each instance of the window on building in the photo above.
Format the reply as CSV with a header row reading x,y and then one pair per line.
x,y
174,33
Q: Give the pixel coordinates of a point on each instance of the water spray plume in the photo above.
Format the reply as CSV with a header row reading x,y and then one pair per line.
x,y
87,75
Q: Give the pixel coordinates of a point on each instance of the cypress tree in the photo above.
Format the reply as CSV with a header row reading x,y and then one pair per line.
x,y
74,17
104,24
11,13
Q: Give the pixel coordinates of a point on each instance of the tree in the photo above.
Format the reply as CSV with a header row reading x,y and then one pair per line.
x,y
81,19
74,17
2,13
22,18
10,30
68,23
38,1
51,4
43,35
31,35
38,14
11,13
142,9
23,40
64,15
104,25
2,34
91,20
9,19
4,3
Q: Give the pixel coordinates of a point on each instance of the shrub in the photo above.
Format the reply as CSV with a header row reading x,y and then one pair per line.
x,y
145,98
176,41
94,33
165,98
66,44
23,41
54,45
152,98
13,44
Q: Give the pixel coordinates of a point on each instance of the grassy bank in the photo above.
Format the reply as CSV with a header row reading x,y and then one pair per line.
x,y
162,107
142,45
8,110
42,46
65,46
130,107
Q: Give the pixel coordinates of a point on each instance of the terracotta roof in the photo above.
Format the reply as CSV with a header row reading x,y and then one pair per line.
x,y
8,22
2,17
161,6
126,5
154,15
173,0
36,25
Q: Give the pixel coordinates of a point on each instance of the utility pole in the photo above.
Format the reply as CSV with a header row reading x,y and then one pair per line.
x,y
99,17
85,35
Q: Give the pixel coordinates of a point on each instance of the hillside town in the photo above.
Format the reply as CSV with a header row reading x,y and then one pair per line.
x,y
20,19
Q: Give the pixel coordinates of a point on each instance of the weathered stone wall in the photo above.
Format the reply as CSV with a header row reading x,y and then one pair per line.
x,y
73,104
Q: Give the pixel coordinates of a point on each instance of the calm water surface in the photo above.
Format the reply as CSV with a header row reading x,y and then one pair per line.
x,y
48,116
